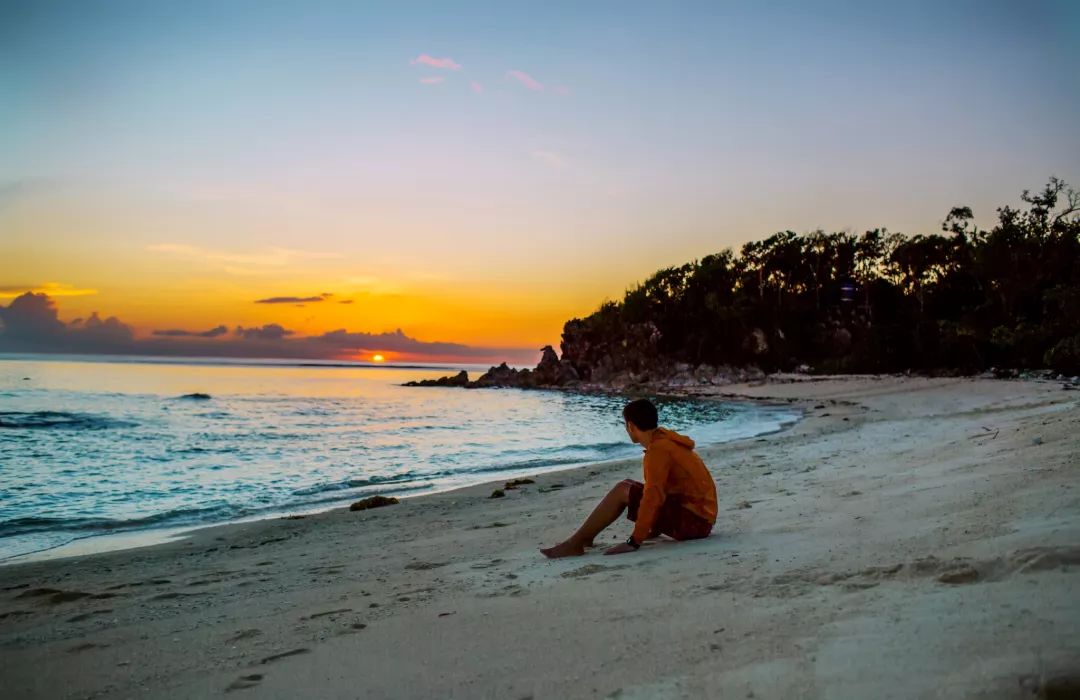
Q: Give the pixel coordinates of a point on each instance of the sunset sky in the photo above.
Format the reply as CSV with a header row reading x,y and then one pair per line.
x,y
478,173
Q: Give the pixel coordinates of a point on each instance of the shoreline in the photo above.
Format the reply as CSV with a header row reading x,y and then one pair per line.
x,y
134,538
885,545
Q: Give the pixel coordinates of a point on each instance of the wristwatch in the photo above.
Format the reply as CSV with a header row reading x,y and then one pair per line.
x,y
630,541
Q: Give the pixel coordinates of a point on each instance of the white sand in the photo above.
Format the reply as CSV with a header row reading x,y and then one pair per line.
x,y
834,584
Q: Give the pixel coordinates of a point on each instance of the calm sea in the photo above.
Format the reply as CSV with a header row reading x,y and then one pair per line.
x,y
90,448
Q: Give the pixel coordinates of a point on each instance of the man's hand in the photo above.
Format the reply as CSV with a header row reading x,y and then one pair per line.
x,y
621,548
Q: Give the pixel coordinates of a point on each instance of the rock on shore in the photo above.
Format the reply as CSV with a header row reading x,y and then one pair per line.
x,y
553,372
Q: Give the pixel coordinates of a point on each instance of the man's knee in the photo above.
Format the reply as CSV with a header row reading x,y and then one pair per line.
x,y
622,489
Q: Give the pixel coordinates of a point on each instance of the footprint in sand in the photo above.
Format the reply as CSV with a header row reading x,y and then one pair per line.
x,y
351,628
333,569
39,592
243,682
56,596
328,612
487,565
285,654
510,590
244,634
172,595
88,615
485,527
425,565
589,570
14,613
136,584
965,573
956,571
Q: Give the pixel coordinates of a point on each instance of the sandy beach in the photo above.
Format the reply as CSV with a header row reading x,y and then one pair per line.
x,y
909,538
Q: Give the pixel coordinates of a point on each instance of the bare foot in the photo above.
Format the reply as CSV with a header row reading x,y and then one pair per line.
x,y
563,549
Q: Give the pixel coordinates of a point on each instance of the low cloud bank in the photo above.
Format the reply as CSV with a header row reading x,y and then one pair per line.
x,y
31,323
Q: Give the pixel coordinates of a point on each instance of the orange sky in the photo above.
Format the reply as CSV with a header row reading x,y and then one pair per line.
x,y
177,263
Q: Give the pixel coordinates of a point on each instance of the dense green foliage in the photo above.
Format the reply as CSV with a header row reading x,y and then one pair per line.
x,y
961,300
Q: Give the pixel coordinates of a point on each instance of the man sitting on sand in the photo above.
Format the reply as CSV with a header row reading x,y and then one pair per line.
x,y
678,498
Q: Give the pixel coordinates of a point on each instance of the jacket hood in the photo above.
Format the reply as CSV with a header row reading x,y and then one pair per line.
x,y
680,440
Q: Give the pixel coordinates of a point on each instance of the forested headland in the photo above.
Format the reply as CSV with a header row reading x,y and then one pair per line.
x,y
961,300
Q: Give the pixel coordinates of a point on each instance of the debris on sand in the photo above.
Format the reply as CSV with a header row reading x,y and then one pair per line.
x,y
514,483
373,502
497,493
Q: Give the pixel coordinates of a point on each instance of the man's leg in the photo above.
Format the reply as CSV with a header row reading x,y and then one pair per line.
x,y
606,512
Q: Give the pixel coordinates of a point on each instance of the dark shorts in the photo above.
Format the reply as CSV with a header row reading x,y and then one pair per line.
x,y
674,520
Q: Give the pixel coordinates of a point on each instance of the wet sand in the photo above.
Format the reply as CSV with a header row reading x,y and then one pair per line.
x,y
910,538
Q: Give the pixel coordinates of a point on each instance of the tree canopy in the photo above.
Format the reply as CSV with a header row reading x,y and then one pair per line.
x,y
961,300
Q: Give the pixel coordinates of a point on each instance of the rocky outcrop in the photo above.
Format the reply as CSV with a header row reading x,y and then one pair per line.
x,y
597,351
551,372
459,379
503,375
547,372
607,375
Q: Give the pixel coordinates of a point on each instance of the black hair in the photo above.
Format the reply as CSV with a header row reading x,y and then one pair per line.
x,y
642,413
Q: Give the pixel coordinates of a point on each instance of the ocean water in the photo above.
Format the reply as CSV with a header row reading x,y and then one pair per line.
x,y
91,448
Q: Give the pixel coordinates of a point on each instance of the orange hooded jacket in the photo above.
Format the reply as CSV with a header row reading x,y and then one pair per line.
x,y
674,471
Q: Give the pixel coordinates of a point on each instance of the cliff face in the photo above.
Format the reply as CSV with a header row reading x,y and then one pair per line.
x,y
596,354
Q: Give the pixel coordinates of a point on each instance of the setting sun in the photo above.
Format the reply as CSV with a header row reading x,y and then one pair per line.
x,y
378,358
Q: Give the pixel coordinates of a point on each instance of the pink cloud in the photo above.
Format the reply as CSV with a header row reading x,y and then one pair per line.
x,y
433,80
525,79
561,90
425,60
476,87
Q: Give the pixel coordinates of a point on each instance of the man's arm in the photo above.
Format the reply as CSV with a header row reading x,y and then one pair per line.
x,y
657,464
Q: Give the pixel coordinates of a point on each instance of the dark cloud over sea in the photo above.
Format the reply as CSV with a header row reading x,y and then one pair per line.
x,y
31,323
175,333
